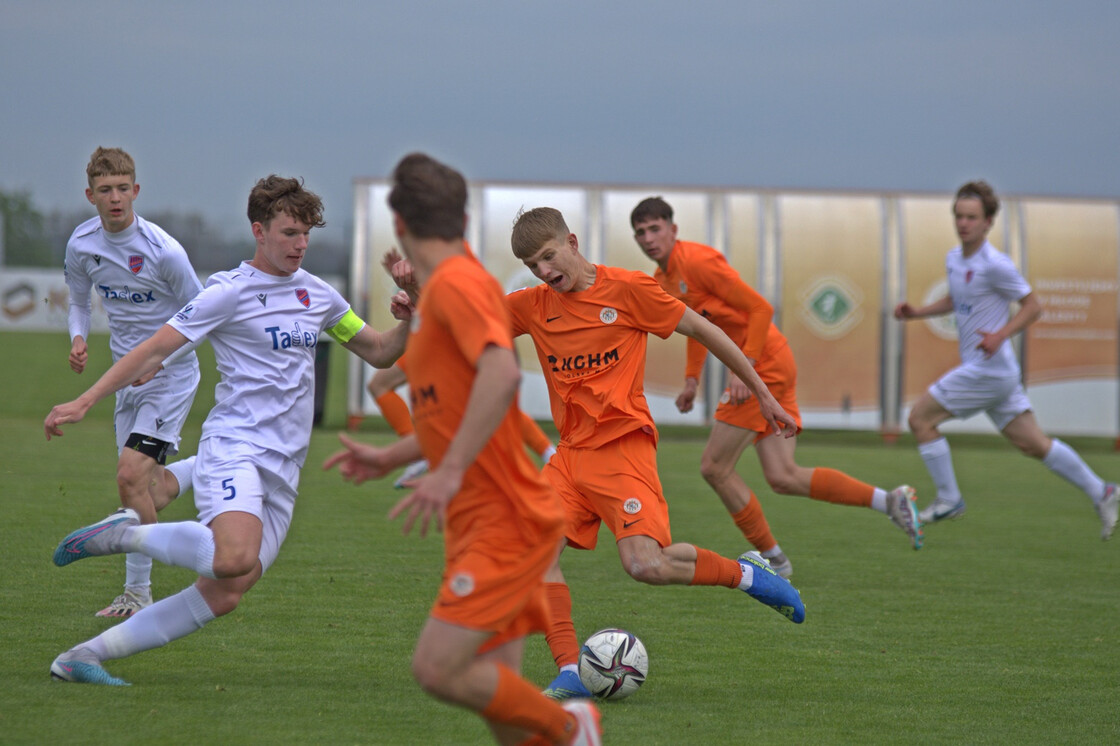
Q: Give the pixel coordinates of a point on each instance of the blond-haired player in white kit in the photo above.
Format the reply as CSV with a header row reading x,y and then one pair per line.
x,y
141,276
983,282
263,320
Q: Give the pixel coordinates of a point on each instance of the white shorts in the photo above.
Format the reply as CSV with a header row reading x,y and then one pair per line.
x,y
963,392
158,408
235,476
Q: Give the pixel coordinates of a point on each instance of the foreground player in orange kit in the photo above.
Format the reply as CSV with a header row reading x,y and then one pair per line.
x,y
701,277
502,523
590,325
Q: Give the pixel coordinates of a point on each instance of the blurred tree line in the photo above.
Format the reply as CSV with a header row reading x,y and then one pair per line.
x,y
32,238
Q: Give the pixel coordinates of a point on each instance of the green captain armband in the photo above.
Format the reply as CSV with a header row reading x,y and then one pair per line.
x,y
349,325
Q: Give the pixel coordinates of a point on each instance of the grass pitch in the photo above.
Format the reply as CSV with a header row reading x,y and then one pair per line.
x,y
1005,628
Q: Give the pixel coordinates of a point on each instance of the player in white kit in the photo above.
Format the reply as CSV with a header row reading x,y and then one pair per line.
x,y
141,276
263,320
983,282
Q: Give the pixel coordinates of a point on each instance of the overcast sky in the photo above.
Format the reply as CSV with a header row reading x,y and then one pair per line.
x,y
876,95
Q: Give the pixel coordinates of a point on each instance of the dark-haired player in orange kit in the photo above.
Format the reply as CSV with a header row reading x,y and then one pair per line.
x,y
590,325
701,277
502,523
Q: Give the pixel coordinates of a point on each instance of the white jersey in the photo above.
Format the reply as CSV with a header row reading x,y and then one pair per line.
x,y
142,276
264,330
982,287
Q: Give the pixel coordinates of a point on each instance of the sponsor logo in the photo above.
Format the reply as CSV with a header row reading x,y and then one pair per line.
x,y
608,315
126,295
632,505
295,337
159,423
550,319
583,361
97,259
136,263
185,313
263,298
461,584
628,524
303,297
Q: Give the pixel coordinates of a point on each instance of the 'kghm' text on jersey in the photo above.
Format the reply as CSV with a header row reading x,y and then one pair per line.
x,y
265,352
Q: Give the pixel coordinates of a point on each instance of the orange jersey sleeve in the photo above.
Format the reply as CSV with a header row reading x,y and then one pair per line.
x,y
701,277
462,312
592,349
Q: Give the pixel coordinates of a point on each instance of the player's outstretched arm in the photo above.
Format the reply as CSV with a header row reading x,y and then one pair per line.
x,y
358,462
144,358
379,349
904,311
727,352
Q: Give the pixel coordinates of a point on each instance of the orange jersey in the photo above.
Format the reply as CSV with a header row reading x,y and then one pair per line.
x,y
592,349
701,277
461,313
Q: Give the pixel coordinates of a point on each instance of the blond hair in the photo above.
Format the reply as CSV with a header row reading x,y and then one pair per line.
x,y
532,229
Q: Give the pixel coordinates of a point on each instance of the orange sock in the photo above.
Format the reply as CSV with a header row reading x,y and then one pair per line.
x,y
532,434
752,522
834,486
561,634
395,412
712,569
519,704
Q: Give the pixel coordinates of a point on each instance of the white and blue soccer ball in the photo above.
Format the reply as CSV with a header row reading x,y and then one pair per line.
x,y
613,663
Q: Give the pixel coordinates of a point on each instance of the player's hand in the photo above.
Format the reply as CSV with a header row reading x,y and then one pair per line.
x,y
687,397
60,414
401,306
904,311
777,417
358,462
400,269
990,342
737,389
79,355
428,501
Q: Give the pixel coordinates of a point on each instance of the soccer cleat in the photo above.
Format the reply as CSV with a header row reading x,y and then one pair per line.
x,y
903,512
81,666
589,727
103,537
939,511
772,589
566,685
127,604
780,564
412,471
1108,509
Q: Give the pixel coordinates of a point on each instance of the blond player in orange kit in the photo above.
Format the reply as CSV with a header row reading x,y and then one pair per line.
x,y
702,278
590,325
502,523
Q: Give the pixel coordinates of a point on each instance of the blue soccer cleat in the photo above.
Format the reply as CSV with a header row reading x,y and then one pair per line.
x,y
567,685
772,589
103,537
81,666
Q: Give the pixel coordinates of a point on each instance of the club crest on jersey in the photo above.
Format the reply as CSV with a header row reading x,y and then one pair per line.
x,y
632,505
136,263
608,315
968,277
303,297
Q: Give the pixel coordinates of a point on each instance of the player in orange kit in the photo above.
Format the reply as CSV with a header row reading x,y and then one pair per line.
x,y
590,325
701,277
502,523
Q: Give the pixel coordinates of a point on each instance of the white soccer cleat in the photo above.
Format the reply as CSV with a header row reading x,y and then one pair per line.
x,y
941,511
589,728
1108,509
127,604
780,564
904,514
412,471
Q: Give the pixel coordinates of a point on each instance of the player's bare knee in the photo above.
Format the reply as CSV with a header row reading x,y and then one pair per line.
x,y
432,677
714,471
650,571
784,483
233,564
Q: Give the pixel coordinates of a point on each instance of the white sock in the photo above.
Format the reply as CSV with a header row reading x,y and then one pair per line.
x,y
183,471
939,462
748,575
879,500
166,620
548,453
137,571
570,667
772,552
183,544
1064,461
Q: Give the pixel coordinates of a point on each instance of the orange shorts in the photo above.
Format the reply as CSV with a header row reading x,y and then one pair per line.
x,y
496,583
616,484
779,373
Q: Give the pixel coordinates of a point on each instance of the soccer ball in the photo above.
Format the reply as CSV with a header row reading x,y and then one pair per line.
x,y
613,663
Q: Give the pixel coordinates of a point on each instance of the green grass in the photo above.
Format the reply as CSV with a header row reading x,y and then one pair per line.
x,y
1005,628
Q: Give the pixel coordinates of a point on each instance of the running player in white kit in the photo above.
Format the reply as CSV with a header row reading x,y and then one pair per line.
x,y
141,276
263,320
983,282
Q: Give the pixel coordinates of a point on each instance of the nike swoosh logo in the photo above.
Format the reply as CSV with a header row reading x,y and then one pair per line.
x,y
628,524
550,319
